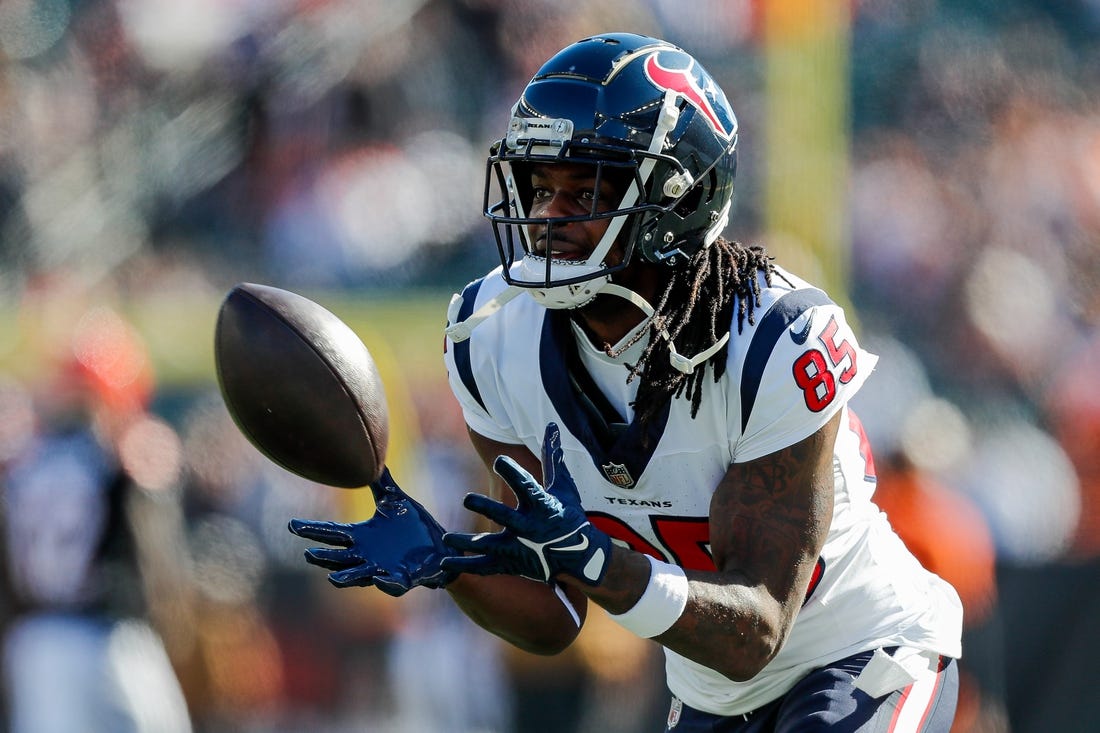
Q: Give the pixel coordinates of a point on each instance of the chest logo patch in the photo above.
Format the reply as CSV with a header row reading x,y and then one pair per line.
x,y
617,474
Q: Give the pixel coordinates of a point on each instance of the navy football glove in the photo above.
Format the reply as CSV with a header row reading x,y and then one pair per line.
x,y
397,549
547,534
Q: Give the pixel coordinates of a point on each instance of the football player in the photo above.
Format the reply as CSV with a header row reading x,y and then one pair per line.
x,y
682,401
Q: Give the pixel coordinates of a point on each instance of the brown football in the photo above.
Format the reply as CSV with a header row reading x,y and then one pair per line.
x,y
301,386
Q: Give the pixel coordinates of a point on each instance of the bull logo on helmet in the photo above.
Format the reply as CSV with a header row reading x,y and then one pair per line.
x,y
704,97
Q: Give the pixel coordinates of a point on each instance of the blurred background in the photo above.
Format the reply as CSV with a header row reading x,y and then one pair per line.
x,y
935,164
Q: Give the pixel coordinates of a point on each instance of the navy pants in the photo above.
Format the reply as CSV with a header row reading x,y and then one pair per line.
x,y
827,700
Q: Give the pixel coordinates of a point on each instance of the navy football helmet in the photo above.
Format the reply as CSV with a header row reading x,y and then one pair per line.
x,y
645,114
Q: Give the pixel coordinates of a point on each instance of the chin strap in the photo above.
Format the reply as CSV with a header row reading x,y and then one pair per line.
x,y
686,365
679,361
461,331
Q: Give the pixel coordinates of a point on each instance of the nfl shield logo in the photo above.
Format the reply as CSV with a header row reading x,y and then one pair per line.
x,y
617,474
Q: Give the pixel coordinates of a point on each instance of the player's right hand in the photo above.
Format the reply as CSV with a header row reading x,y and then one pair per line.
x,y
397,549
546,534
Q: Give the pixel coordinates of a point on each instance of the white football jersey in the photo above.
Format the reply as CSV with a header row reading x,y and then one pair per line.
x,y
787,374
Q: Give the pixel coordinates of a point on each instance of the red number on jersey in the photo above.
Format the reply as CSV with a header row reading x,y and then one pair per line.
x,y
685,540
619,530
839,352
688,539
856,426
813,375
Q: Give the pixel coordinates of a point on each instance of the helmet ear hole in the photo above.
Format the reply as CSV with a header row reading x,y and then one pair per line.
x,y
691,201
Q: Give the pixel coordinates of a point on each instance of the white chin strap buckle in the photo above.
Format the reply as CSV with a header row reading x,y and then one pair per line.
x,y
686,365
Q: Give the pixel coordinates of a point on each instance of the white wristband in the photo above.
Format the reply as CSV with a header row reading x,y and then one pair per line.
x,y
663,601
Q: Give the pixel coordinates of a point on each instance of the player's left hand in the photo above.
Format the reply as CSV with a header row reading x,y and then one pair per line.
x,y
547,534
397,549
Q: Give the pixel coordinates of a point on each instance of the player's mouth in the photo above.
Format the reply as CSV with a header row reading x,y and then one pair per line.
x,y
560,249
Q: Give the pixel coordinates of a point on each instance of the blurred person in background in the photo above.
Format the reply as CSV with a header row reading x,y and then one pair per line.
x,y
92,551
722,497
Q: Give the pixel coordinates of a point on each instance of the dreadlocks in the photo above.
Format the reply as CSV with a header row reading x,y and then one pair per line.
x,y
695,309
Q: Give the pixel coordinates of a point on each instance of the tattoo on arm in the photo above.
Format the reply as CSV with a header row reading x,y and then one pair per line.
x,y
772,513
769,518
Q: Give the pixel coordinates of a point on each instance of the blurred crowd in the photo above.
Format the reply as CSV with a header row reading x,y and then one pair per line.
x,y
156,151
